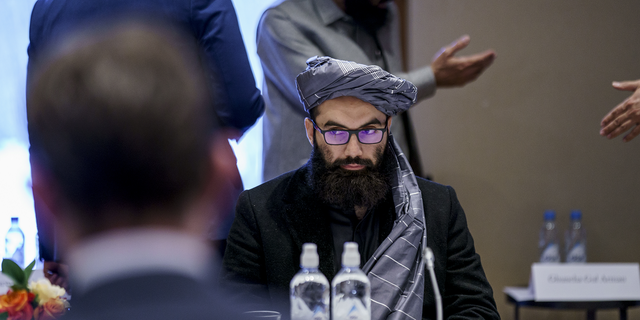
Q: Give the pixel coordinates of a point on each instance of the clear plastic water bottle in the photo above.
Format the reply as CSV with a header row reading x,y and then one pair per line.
x,y
309,288
350,289
576,240
549,247
14,243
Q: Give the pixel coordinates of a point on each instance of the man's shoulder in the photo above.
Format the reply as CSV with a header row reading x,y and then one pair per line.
x,y
280,185
436,195
144,297
290,6
293,10
430,187
275,183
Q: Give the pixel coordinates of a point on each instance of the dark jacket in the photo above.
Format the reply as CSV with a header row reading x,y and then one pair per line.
x,y
274,219
155,296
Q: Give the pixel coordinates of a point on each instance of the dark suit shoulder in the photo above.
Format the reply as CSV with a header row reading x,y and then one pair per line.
x,y
154,295
428,185
285,186
433,191
275,186
274,183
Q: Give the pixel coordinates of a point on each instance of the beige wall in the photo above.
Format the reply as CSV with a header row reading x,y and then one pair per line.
x,y
524,137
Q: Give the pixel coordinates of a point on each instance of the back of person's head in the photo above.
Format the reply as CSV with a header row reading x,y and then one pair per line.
x,y
120,122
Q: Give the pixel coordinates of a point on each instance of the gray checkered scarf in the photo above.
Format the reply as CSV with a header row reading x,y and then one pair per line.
x,y
396,268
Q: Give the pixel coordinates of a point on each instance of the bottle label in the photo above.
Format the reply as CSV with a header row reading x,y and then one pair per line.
x,y
300,311
14,248
350,309
577,254
550,254
309,299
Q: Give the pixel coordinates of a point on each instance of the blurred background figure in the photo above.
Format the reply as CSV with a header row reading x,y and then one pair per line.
x,y
214,27
364,31
625,116
126,157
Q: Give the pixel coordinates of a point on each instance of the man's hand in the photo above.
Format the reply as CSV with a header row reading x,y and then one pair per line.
x,y
57,274
453,71
624,116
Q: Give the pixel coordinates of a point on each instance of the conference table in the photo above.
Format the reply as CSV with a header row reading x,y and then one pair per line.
x,y
589,306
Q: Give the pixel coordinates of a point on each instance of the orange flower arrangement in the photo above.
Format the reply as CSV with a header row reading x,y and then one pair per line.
x,y
38,301
51,310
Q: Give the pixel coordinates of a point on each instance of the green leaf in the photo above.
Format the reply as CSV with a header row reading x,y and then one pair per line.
x,y
13,271
28,270
18,287
4,316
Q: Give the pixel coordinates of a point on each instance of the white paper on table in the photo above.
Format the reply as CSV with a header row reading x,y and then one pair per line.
x,y
585,282
519,293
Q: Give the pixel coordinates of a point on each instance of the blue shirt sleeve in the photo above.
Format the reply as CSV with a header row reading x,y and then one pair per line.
x,y
239,102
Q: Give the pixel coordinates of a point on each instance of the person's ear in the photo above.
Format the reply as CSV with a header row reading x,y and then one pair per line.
x,y
308,125
53,210
224,167
44,190
389,124
222,188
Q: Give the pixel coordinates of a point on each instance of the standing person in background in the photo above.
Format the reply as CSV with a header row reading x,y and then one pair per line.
x,y
624,116
127,157
214,27
364,31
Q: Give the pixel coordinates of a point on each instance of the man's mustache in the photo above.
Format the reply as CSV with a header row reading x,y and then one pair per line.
x,y
351,160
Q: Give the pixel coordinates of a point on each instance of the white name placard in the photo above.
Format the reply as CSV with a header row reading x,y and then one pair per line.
x,y
585,282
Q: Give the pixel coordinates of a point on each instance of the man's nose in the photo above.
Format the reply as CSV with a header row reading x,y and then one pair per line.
x,y
353,148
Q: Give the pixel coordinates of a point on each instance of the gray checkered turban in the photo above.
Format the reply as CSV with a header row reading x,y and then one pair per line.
x,y
327,78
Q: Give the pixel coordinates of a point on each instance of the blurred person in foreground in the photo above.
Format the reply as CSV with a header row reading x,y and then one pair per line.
x,y
212,24
357,186
625,116
126,156
363,31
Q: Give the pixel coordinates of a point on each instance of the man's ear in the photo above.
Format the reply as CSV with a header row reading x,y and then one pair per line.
x,y
44,190
310,129
53,211
223,162
389,124
223,187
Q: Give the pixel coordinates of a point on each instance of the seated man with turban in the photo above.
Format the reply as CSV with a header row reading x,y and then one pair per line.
x,y
357,186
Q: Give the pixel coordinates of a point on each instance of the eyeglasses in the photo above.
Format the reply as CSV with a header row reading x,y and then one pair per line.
x,y
365,136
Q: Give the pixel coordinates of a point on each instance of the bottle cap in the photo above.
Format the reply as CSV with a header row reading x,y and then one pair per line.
x,y
549,215
350,255
576,215
14,219
309,257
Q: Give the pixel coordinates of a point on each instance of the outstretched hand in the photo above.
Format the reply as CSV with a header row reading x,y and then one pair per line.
x,y
451,71
624,116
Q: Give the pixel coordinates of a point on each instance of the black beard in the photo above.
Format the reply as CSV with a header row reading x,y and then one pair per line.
x,y
367,15
346,189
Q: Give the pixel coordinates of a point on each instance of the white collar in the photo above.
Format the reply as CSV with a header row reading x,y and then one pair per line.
x,y
128,252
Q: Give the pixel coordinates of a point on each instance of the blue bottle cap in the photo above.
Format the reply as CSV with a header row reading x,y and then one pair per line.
x,y
576,215
14,219
549,215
